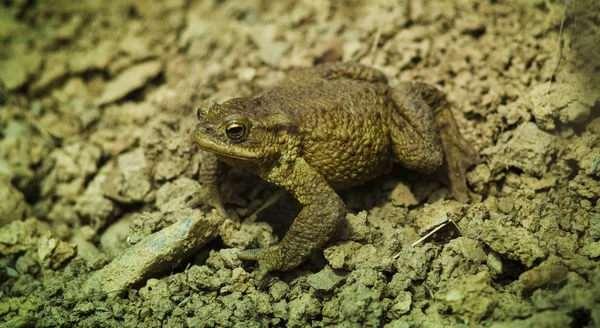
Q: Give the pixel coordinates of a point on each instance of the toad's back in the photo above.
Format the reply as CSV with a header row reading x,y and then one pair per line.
x,y
342,125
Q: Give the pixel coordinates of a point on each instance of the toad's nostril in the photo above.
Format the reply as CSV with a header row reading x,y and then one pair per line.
x,y
208,129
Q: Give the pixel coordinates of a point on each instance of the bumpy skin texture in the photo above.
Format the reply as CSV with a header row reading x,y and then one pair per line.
x,y
329,127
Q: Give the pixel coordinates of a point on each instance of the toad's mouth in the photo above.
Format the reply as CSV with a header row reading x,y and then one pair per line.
x,y
226,150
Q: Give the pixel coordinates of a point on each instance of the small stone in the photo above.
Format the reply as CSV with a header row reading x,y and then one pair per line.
x,y
129,181
471,25
16,71
494,262
135,47
270,51
96,58
438,213
54,71
113,240
505,204
473,298
402,196
592,250
53,253
542,276
530,149
131,79
230,257
8,25
246,73
354,227
325,280
278,290
401,305
13,206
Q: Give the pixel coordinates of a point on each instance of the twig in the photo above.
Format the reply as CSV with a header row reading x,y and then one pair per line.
x,y
436,229
373,51
8,99
558,54
270,201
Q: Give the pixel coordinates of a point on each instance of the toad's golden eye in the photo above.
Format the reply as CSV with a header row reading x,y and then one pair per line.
x,y
235,130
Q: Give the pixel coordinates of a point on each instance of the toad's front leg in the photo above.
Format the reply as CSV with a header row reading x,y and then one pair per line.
x,y
312,228
211,172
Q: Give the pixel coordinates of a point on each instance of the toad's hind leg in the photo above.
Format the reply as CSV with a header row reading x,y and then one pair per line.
x,y
426,129
415,138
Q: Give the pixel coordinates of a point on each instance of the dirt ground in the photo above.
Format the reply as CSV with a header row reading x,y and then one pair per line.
x,y
96,166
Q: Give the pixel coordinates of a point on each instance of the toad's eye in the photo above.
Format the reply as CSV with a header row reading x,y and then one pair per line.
x,y
199,113
235,130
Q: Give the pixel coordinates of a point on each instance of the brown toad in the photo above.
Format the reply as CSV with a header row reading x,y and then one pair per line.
x,y
333,126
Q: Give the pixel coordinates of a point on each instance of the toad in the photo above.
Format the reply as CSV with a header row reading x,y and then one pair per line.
x,y
324,128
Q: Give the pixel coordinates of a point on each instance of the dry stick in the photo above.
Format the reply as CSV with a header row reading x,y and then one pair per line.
x,y
558,54
436,229
373,51
52,140
270,201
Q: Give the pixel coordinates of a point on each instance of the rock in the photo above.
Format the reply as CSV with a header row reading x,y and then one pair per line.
x,y
473,298
529,149
129,182
155,253
471,25
354,227
13,206
352,255
168,150
592,250
543,276
55,69
470,249
71,166
129,80
54,253
278,290
8,25
359,304
567,101
438,213
270,51
96,58
114,239
516,243
92,205
400,306
19,236
176,194
325,280
16,70
135,47
68,30
402,196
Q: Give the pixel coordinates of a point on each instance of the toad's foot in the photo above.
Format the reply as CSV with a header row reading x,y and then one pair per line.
x,y
270,259
459,155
